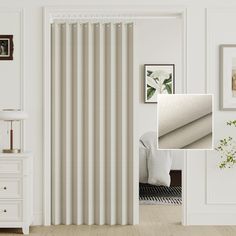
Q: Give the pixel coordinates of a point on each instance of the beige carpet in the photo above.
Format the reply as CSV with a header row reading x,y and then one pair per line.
x,y
154,221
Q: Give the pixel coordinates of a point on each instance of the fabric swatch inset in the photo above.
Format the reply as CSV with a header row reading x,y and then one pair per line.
x,y
184,121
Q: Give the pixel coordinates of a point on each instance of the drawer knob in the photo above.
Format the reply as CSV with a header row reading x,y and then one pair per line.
x,y
5,188
4,210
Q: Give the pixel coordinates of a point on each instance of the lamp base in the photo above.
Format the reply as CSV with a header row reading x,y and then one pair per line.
x,y
11,150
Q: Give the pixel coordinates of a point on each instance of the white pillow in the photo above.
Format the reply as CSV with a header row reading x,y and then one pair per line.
x,y
159,165
143,172
149,139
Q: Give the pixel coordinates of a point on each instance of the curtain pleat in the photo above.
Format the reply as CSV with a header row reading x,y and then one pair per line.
x,y
56,124
66,124
92,124
110,94
78,100
133,188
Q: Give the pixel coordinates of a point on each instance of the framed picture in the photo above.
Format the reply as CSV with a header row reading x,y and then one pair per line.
x,y
6,47
159,79
228,77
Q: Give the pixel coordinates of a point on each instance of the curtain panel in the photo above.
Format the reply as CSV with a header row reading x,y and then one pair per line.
x,y
92,124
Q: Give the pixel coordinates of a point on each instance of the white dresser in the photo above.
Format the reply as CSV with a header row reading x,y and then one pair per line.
x,y
16,191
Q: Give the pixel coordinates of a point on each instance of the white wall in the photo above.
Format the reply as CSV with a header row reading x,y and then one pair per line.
x,y
210,192
219,21
10,73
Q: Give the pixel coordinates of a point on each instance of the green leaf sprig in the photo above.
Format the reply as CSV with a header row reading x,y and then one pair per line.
x,y
227,149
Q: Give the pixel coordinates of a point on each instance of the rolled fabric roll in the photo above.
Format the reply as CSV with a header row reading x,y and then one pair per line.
x,y
187,134
175,111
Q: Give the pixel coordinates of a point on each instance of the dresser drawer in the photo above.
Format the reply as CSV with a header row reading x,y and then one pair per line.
x,y
10,188
11,167
10,211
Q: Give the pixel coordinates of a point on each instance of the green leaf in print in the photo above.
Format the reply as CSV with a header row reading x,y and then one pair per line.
x,y
150,92
166,81
149,72
168,88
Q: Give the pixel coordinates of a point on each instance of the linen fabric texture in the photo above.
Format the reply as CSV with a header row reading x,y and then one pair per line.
x,y
184,121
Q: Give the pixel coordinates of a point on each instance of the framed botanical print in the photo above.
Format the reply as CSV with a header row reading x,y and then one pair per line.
x,y
159,79
6,47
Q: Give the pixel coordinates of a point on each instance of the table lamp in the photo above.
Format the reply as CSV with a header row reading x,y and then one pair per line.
x,y
11,115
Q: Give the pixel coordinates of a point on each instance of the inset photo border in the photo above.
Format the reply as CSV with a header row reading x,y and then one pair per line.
x,y
185,121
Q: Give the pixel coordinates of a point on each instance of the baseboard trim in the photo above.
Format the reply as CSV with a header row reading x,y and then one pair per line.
x,y
212,218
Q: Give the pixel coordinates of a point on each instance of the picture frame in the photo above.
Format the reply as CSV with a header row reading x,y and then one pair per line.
x,y
153,73
6,47
227,77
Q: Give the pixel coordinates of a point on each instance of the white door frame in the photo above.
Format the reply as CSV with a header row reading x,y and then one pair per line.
x,y
88,13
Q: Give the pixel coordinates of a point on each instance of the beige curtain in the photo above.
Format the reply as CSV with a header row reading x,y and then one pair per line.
x,y
93,175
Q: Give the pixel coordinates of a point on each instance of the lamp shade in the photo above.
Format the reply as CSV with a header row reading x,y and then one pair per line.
x,y
13,115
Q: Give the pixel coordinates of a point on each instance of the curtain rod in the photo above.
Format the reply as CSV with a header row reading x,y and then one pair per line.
x,y
111,18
